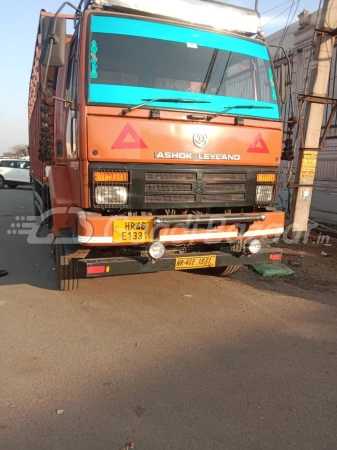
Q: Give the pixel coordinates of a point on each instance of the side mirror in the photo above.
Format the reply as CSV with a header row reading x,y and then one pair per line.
x,y
284,84
53,31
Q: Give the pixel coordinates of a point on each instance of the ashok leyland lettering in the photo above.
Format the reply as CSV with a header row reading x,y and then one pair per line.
x,y
159,135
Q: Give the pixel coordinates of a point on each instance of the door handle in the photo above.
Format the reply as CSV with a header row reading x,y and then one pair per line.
x,y
72,134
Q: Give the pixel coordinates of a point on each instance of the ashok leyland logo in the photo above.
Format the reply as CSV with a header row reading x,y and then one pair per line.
x,y
200,139
199,187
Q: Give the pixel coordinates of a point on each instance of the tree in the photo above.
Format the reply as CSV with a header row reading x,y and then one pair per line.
x,y
17,151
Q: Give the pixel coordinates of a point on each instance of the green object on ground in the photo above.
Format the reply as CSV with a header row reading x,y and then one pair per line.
x,y
273,270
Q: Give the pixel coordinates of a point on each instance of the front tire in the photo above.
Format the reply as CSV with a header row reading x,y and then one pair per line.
x,y
224,271
67,275
2,182
12,185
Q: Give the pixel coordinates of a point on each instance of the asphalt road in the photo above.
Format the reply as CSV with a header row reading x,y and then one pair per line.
x,y
169,361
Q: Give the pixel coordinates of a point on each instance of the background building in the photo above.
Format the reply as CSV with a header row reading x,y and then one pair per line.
x,y
299,42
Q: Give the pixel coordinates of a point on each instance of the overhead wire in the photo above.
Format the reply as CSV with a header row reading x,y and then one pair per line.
x,y
277,38
313,43
276,7
289,21
272,20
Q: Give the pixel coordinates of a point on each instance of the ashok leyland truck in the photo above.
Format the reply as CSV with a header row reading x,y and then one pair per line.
x,y
155,138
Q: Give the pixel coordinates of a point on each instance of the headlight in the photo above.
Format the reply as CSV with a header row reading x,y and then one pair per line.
x,y
156,250
111,195
254,246
264,194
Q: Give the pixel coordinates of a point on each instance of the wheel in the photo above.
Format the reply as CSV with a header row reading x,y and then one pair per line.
x,y
224,271
2,182
67,275
12,185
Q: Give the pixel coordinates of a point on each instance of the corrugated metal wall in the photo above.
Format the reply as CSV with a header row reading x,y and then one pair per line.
x,y
324,202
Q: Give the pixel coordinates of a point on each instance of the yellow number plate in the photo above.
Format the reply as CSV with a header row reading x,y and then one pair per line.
x,y
129,231
196,262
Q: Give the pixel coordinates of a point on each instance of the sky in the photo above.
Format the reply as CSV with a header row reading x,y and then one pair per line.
x,y
18,28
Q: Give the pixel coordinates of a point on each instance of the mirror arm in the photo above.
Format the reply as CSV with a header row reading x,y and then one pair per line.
x,y
49,94
62,100
53,40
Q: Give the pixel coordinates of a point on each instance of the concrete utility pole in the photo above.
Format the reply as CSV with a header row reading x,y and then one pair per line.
x,y
318,86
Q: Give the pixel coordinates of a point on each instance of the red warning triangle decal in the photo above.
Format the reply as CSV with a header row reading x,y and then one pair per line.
x,y
129,139
258,146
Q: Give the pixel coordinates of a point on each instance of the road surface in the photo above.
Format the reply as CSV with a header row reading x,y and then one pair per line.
x,y
169,361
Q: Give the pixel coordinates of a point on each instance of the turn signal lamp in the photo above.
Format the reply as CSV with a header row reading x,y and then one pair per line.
x,y
266,177
111,177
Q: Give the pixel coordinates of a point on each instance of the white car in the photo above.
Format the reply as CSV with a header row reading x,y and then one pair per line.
x,y
14,172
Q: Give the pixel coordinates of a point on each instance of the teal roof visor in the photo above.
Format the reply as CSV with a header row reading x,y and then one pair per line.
x,y
154,30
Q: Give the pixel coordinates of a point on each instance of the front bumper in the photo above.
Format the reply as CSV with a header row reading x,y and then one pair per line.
x,y
95,230
92,268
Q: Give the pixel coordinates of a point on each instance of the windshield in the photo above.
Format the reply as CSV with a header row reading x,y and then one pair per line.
x,y
131,61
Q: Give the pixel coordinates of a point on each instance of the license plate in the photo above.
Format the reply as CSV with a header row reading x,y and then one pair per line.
x,y
195,262
130,231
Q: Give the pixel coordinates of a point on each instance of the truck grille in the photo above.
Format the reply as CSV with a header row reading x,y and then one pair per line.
x,y
219,187
165,186
170,176
169,199
224,177
212,198
208,187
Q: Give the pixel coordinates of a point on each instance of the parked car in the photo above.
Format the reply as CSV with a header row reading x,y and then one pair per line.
x,y
14,172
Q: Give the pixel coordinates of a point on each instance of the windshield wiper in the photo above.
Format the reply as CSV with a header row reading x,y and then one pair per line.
x,y
162,100
229,108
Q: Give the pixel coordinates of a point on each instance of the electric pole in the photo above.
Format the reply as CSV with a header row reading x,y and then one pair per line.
x,y
318,87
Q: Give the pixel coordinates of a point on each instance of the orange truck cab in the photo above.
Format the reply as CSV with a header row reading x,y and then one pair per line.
x,y
155,138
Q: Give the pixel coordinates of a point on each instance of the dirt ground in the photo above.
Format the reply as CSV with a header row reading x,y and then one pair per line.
x,y
314,264
170,360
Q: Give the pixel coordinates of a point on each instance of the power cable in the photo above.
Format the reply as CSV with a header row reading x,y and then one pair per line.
x,y
272,20
288,22
313,43
275,7
277,38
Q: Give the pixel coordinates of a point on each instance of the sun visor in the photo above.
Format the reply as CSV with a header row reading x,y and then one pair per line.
x,y
212,14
